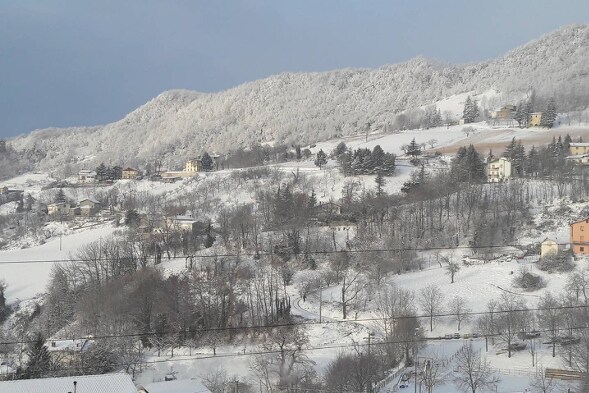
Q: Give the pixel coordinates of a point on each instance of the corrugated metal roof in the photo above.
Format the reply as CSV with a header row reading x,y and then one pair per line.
x,y
119,383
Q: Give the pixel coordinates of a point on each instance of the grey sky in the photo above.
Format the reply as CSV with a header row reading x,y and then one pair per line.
x,y
86,62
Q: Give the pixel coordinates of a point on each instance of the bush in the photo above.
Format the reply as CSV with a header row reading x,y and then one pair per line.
x,y
561,262
529,281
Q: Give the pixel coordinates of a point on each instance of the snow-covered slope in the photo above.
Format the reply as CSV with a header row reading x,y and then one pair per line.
x,y
309,107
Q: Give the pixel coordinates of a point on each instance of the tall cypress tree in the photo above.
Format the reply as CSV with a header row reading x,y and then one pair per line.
x,y
549,116
39,363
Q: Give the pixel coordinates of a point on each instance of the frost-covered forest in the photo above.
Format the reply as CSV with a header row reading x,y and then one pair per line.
x,y
309,107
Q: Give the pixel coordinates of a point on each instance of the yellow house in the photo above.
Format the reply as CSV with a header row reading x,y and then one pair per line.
x,y
578,149
193,165
60,210
499,170
535,119
550,247
130,173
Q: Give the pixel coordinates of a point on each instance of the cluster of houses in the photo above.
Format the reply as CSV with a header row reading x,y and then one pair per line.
x,y
579,153
87,207
500,169
579,243
191,169
90,176
505,116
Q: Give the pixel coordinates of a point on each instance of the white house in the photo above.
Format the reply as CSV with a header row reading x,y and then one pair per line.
x,y
67,352
87,176
119,383
499,170
184,222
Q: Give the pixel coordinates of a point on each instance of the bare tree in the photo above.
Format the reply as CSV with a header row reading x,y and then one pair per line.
x,y
459,309
511,318
474,373
542,383
431,299
432,375
550,317
432,142
451,269
352,287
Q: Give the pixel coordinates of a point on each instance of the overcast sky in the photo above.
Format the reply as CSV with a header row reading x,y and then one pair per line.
x,y
87,62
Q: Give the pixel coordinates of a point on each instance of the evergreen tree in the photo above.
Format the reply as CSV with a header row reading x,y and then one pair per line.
x,y
60,196
375,160
101,173
520,115
357,165
566,144
510,149
39,363
380,183
388,166
117,172
519,158
298,152
312,199
413,149
132,218
549,115
471,110
468,165
206,162
320,159
532,162
340,149
467,110
345,163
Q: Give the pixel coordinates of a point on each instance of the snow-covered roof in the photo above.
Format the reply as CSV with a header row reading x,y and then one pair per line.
x,y
184,219
90,200
120,383
579,144
177,386
87,172
130,169
79,345
499,159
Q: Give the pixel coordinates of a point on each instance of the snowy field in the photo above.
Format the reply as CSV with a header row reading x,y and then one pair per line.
x,y
25,276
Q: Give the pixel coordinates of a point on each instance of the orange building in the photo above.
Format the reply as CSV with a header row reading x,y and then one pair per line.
x,y
580,237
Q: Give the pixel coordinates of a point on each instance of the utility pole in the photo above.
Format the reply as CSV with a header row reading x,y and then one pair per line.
x,y
416,354
320,300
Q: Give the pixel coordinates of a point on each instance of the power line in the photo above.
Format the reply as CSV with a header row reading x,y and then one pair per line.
x,y
294,324
324,347
266,253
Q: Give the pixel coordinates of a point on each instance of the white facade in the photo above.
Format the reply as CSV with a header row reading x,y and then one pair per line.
x,y
499,170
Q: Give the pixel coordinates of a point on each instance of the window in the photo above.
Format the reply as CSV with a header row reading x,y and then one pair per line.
x,y
581,249
582,228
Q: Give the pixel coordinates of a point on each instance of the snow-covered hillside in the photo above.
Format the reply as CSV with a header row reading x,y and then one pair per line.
x,y
310,107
